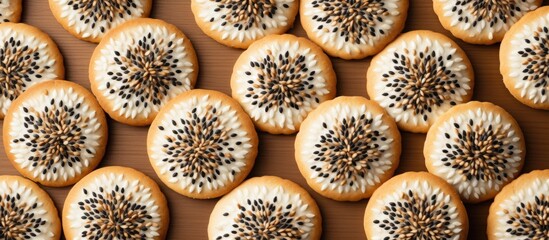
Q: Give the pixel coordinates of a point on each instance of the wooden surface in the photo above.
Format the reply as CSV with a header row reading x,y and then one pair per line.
x,y
341,220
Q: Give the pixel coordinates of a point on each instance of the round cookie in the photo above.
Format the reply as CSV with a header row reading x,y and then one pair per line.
x,y
353,29
27,211
477,147
280,79
10,10
139,66
29,56
418,77
481,22
116,203
347,147
238,24
523,59
415,205
521,209
202,144
266,208
55,133
90,20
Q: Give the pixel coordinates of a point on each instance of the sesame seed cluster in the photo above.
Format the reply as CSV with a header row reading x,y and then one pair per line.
x,y
203,144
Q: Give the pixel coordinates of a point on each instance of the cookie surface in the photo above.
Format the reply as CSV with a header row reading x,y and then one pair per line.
x,y
10,10
90,20
202,144
347,147
415,205
477,147
55,133
481,22
266,208
29,56
521,210
115,203
523,59
139,66
280,79
238,24
418,77
27,211
353,29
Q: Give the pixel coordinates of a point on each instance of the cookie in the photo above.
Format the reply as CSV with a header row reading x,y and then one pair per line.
x,y
521,209
416,205
28,57
10,10
477,147
55,133
90,20
202,144
522,58
481,22
418,77
238,24
353,29
115,203
139,66
27,211
347,147
280,79
266,208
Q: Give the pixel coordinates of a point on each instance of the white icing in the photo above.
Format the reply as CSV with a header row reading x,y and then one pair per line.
x,y
474,189
90,127
6,11
45,59
524,194
128,39
266,192
422,188
76,19
141,195
27,200
229,121
516,62
426,44
290,117
482,27
333,40
280,19
312,134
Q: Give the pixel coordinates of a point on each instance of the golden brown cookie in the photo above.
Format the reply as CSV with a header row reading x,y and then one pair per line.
x,y
521,209
27,211
418,77
55,133
10,10
353,29
477,147
238,24
347,147
280,79
416,205
523,59
116,203
202,144
90,20
139,66
28,57
266,208
481,22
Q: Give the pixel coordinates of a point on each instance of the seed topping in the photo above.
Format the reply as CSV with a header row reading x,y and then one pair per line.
x,y
535,60
142,68
530,220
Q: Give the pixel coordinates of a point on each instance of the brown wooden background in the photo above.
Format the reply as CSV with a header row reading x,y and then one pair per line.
x,y
342,220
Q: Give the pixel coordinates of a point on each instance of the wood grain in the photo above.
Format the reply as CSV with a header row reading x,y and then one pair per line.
x,y
342,220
